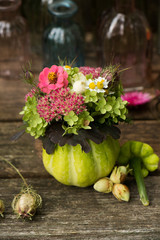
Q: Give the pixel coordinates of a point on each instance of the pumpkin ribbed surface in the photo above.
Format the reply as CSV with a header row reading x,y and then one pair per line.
x,y
72,166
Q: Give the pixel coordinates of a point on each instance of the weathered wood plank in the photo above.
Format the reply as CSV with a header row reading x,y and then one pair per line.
x,y
26,152
12,94
82,213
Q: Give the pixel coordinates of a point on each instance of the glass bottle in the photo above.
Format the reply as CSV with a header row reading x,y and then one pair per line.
x,y
38,17
125,38
63,39
14,39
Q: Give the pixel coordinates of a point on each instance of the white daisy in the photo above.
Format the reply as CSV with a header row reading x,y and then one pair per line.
x,y
99,84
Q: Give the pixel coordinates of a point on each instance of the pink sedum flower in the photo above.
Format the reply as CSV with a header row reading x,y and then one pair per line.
x,y
52,78
136,98
94,71
30,94
60,102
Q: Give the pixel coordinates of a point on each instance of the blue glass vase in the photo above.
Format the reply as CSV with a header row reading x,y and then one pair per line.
x,y
63,39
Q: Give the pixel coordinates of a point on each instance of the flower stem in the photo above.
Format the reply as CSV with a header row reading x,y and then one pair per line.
x,y
136,166
25,183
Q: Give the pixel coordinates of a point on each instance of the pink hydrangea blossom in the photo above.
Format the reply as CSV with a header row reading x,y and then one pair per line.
x,y
52,78
58,103
94,71
136,98
30,94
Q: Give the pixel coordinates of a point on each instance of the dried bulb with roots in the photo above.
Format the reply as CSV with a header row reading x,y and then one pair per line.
x,y
121,192
104,185
119,174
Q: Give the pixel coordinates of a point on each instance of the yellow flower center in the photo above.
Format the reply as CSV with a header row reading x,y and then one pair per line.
x,y
92,85
100,84
52,77
66,66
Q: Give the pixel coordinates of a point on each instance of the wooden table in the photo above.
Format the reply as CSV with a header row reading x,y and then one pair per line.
x,y
70,212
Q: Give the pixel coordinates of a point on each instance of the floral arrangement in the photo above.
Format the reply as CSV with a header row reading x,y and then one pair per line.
x,y
75,112
71,105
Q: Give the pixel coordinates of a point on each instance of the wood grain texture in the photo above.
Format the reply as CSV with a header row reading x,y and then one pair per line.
x,y
24,153
12,94
82,213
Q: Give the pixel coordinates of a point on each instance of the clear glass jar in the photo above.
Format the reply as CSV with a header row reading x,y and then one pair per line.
x,y
125,38
14,41
63,39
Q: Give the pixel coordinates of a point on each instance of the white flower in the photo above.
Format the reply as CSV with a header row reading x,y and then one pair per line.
x,y
79,77
79,87
79,83
98,85
90,84
67,67
101,82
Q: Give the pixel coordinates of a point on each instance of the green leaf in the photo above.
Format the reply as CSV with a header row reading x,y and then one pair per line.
x,y
108,107
35,125
71,118
103,111
117,111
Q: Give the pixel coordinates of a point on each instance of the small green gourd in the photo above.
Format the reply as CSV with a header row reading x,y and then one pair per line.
x,y
142,159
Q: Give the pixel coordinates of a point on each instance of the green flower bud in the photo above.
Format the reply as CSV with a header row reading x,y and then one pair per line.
x,y
2,208
104,185
121,192
119,174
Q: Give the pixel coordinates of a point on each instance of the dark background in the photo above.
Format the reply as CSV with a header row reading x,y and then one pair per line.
x,y
89,11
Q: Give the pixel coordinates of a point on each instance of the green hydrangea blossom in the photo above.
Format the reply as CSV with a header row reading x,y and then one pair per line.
x,y
109,108
77,122
72,72
114,109
36,125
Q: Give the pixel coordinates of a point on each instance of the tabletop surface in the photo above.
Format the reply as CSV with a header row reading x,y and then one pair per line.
x,y
71,212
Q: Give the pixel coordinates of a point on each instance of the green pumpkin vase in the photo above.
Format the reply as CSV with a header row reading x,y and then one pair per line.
x,y
72,166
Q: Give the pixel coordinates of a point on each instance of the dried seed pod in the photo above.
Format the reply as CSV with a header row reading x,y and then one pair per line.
x,y
2,208
104,185
121,192
119,174
26,203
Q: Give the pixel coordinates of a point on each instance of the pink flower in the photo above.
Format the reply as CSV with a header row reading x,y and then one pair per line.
x,y
94,71
58,103
52,78
30,94
136,98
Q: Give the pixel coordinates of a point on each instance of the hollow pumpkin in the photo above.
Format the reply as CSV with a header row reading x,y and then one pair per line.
x,y
72,166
